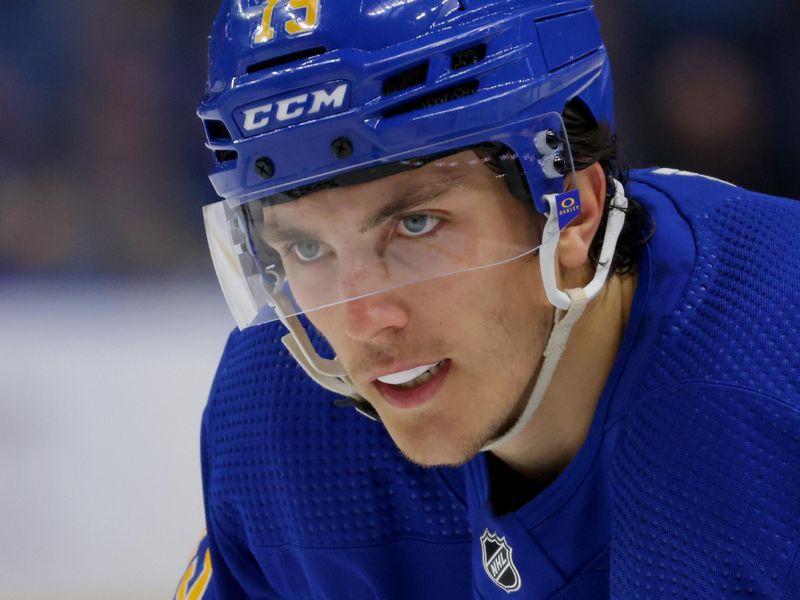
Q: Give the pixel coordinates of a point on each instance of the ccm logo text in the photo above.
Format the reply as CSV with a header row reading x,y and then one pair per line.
x,y
293,108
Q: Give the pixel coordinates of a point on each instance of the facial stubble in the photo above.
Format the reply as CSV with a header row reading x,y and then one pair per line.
x,y
508,402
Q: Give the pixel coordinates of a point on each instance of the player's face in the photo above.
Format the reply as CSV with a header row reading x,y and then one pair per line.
x,y
481,332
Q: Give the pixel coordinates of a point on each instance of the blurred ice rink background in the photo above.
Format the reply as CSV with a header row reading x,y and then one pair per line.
x,y
102,384
110,320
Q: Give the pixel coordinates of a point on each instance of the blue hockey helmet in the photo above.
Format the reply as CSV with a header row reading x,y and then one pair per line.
x,y
306,95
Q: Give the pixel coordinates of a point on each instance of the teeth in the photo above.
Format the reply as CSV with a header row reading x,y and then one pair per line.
x,y
422,378
411,377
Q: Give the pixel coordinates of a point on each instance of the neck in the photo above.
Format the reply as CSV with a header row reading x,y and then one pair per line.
x,y
559,426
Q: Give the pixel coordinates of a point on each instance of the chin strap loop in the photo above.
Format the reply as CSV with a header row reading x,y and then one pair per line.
x,y
299,346
552,232
337,384
564,321
329,373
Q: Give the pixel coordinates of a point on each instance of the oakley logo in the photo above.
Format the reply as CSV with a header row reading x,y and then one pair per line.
x,y
569,207
302,105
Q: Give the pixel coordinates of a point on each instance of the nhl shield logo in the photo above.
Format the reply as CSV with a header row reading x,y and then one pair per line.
x,y
499,563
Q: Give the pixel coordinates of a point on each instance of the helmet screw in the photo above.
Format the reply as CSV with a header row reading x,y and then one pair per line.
x,y
265,168
560,163
342,148
551,139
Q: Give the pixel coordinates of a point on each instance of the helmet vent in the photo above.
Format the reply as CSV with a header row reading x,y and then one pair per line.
x,y
442,96
217,131
225,156
286,59
406,79
468,57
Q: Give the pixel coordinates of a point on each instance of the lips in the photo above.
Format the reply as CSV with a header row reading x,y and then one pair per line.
x,y
413,387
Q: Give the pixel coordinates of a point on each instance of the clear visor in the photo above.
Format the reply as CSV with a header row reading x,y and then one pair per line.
x,y
381,228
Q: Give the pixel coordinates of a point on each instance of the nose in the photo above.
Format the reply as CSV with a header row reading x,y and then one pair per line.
x,y
369,317
371,312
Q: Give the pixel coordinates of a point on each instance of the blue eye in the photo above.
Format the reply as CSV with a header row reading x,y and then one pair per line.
x,y
308,250
417,225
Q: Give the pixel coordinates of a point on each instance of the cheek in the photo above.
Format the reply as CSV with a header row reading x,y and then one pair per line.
x,y
308,286
516,321
328,323
512,293
489,313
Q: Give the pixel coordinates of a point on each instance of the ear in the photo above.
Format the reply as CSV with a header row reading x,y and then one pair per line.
x,y
575,239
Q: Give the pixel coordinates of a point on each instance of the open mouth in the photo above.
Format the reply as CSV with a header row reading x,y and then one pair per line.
x,y
413,387
413,377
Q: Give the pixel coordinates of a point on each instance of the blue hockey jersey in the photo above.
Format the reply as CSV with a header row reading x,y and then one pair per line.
x,y
687,486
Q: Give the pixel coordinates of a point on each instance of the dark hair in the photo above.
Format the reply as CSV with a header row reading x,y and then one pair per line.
x,y
592,142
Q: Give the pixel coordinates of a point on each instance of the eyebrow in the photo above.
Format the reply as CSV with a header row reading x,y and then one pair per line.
x,y
274,233
407,201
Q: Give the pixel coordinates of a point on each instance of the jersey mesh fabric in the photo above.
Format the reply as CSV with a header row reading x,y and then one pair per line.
x,y
707,470
288,470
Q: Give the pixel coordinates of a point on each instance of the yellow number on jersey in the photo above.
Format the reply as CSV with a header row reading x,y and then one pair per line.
x,y
191,587
309,23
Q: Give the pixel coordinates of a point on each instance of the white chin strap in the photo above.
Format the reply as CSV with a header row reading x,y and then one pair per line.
x,y
569,304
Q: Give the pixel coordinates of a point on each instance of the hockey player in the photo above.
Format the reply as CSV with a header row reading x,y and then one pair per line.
x,y
579,385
